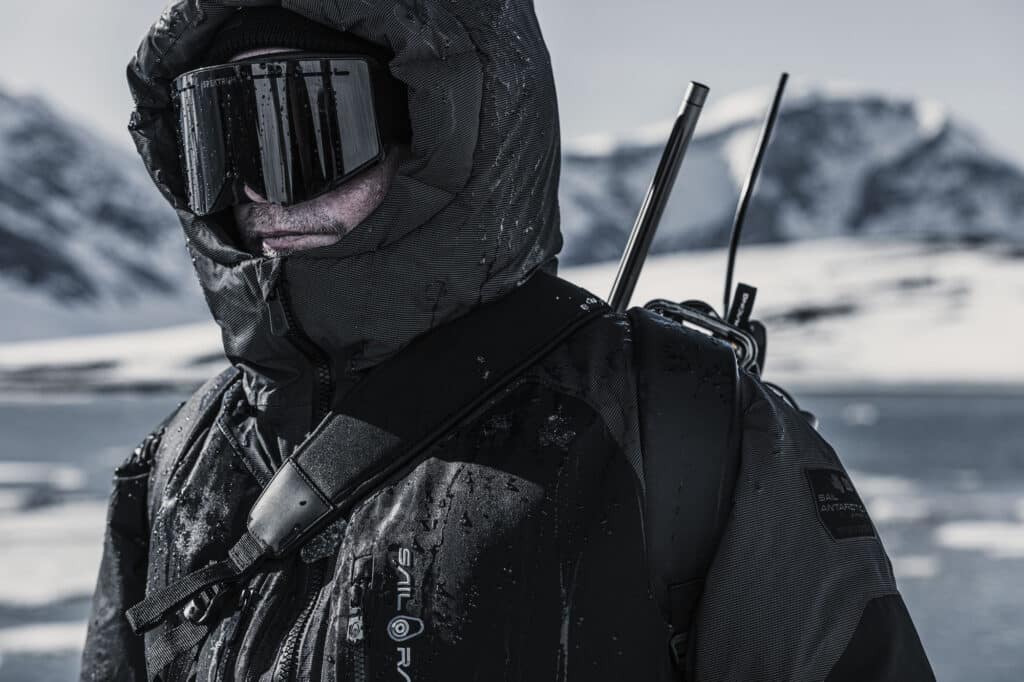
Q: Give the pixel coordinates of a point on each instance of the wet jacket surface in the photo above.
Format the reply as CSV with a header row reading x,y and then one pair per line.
x,y
515,548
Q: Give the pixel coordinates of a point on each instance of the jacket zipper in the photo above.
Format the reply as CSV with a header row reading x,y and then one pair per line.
x,y
283,323
246,610
288,658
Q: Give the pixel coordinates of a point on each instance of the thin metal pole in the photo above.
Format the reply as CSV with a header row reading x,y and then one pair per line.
x,y
657,197
748,188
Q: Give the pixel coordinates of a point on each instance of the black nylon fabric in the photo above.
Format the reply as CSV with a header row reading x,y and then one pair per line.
x,y
519,541
782,596
884,647
472,211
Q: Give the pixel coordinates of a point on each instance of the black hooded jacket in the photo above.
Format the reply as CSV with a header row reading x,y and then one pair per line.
x,y
516,546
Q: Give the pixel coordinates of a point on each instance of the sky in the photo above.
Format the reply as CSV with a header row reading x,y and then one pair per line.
x,y
620,65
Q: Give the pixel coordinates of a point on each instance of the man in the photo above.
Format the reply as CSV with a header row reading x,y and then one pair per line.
x,y
431,459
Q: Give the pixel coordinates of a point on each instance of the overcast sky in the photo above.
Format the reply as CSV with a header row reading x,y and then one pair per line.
x,y
620,64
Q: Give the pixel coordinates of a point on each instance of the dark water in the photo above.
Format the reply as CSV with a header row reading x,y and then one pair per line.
x,y
943,476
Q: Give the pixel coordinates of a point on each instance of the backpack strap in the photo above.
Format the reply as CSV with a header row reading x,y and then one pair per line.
x,y
380,429
687,385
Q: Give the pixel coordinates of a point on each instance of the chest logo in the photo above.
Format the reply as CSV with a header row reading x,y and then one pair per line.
x,y
402,627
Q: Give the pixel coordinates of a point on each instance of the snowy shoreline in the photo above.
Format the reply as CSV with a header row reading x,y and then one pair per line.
x,y
843,315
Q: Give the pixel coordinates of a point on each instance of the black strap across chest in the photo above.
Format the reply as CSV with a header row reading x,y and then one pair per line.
x,y
377,431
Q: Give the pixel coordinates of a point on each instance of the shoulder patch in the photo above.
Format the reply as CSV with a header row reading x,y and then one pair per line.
x,y
838,505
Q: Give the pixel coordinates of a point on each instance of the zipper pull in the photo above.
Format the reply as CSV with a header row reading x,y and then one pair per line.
x,y
278,317
269,274
354,633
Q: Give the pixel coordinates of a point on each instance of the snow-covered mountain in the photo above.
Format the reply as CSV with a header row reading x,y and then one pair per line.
x,y
841,162
88,244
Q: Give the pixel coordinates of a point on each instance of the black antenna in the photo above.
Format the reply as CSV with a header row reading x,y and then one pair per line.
x,y
748,188
657,197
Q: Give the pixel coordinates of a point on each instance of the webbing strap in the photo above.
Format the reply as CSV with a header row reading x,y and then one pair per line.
x,y
166,647
242,557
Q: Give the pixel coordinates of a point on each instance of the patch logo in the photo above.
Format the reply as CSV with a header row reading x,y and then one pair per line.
x,y
838,505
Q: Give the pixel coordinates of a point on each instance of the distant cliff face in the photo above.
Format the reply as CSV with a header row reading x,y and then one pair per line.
x,y
88,244
79,220
839,164
86,241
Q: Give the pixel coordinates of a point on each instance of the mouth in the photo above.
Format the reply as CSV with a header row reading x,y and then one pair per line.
x,y
280,243
275,230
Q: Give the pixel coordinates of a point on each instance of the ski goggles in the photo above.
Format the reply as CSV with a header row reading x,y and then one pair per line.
x,y
288,127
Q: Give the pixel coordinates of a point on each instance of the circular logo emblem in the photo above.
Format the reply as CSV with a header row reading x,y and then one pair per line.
x,y
401,628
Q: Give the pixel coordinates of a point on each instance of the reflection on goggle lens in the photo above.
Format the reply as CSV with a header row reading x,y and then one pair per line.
x,y
290,129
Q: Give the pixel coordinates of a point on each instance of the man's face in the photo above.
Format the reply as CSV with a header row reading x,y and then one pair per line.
x,y
275,230
270,229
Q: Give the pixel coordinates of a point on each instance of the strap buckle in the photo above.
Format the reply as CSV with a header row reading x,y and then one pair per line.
x,y
204,605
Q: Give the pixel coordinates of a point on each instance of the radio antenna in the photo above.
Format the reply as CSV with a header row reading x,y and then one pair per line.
x,y
748,188
657,197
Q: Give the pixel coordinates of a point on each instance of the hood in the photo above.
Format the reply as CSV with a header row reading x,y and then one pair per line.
x,y
471,214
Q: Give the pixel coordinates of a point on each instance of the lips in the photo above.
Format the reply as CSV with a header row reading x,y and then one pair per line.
x,y
287,242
